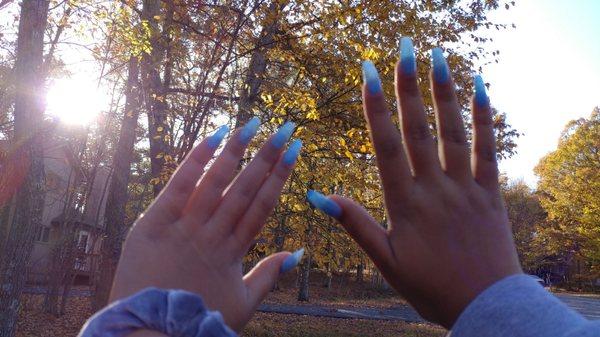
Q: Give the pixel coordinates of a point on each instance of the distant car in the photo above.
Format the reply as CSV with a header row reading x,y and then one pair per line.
x,y
538,280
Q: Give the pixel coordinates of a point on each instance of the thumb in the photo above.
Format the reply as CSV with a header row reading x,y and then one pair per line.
x,y
260,280
365,230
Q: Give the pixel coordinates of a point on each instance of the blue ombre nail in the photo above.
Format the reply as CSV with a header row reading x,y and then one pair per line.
x,y
371,77
249,130
217,137
408,62
283,134
319,201
481,97
291,261
291,154
441,73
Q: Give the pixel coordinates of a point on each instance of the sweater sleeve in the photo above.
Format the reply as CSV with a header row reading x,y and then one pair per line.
x,y
518,306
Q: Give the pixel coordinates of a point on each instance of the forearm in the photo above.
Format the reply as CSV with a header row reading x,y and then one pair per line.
x,y
518,306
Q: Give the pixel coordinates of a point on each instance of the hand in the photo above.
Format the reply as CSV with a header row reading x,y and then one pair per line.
x,y
448,237
195,234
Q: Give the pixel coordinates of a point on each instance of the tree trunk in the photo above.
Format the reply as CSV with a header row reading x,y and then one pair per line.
x,y
258,64
154,94
360,269
117,194
28,119
304,277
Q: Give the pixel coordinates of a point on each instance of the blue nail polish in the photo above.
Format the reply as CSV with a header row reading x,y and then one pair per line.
x,y
371,77
291,261
408,62
291,154
249,130
328,206
481,97
441,73
214,140
283,134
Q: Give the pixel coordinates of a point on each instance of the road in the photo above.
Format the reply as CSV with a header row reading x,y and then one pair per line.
x,y
587,305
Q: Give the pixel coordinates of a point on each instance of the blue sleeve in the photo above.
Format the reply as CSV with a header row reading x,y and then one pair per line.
x,y
518,306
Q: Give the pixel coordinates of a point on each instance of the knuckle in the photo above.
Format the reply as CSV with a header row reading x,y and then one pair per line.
x,y
389,148
487,155
455,135
419,132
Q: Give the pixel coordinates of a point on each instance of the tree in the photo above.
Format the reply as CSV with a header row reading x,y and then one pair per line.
x,y
526,216
569,189
27,152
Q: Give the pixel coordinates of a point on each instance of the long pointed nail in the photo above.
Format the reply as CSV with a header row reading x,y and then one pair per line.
x,y
217,137
408,62
441,73
291,261
326,205
371,77
249,130
283,134
481,97
291,154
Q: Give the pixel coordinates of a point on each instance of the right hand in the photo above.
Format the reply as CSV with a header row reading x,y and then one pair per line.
x,y
449,237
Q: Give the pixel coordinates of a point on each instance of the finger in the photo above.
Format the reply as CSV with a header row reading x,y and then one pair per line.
x,y
261,279
452,142
242,192
209,190
484,162
358,223
265,200
178,190
391,160
415,128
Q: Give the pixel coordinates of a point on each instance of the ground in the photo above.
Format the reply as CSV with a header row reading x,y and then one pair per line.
x,y
343,293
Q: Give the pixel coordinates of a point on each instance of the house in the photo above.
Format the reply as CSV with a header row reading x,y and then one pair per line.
x,y
68,213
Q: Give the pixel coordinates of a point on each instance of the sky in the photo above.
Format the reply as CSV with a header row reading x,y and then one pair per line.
x,y
548,74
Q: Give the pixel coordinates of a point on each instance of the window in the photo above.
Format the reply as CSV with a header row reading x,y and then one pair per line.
x,y
83,241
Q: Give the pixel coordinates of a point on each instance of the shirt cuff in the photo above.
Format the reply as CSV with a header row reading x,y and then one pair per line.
x,y
516,306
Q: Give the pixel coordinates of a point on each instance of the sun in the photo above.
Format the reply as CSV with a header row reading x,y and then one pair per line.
x,y
75,100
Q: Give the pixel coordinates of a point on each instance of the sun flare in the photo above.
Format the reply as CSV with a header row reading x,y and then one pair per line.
x,y
75,100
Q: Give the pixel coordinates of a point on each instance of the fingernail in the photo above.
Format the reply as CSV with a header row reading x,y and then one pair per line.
x,y
371,77
217,137
291,154
283,134
481,97
441,74
408,62
291,261
326,205
249,130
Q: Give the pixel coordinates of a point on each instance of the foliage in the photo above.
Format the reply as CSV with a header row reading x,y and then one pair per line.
x,y
569,189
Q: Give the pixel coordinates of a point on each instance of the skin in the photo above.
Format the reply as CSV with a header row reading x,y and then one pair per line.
x,y
195,234
449,237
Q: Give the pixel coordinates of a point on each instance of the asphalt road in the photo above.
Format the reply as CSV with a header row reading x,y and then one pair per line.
x,y
587,305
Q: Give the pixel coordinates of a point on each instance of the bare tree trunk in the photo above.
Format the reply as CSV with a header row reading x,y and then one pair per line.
x,y
117,194
258,64
154,92
304,278
28,118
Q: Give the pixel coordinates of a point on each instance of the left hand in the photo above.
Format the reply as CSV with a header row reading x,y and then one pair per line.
x,y
197,231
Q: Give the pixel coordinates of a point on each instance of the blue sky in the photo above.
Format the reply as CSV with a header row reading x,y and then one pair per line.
x,y
547,75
